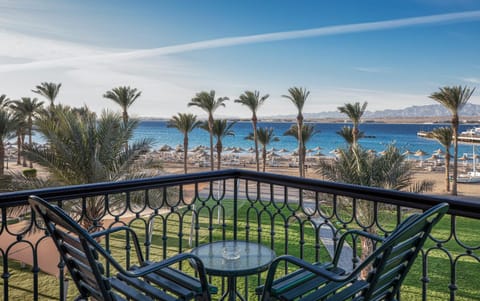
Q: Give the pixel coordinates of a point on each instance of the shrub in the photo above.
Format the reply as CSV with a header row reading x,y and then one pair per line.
x,y
30,173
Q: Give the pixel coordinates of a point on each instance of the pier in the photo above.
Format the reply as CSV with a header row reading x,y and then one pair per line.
x,y
461,138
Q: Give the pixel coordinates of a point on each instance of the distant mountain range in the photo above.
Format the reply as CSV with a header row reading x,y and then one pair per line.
x,y
434,110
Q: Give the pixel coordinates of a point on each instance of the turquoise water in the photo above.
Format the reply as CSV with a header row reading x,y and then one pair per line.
x,y
380,135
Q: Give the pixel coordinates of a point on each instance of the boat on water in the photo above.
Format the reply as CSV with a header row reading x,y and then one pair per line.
x,y
469,136
473,132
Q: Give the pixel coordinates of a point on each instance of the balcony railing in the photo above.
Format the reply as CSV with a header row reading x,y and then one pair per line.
x,y
303,217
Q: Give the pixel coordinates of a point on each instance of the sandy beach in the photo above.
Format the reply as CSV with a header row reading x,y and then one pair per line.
x,y
465,191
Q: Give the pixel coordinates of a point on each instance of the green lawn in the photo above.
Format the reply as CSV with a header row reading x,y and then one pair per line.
x,y
179,225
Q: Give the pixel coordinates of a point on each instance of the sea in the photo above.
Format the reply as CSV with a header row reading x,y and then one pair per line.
x,y
378,136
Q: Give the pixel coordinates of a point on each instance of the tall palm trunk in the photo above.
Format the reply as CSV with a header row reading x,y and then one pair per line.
x,y
219,154
455,153
2,158
355,134
24,159
447,170
301,159
264,157
255,138
19,147
210,129
125,122
185,152
304,156
30,141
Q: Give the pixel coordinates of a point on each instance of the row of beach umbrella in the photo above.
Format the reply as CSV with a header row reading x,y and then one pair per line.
x,y
274,152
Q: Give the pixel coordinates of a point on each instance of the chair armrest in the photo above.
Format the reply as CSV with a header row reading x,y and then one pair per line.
x,y
155,266
320,270
110,231
317,269
353,232
129,231
149,267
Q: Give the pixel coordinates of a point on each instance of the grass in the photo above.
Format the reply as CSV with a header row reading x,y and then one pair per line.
x,y
178,226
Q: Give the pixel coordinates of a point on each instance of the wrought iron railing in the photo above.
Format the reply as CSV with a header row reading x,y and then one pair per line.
x,y
303,217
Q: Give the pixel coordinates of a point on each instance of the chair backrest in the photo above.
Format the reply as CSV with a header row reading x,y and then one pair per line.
x,y
77,249
394,258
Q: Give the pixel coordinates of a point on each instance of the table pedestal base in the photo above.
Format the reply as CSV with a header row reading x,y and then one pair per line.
x,y
231,292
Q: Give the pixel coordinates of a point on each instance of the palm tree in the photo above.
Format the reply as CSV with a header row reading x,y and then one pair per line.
x,y
28,108
265,136
253,101
20,133
49,91
207,102
298,96
221,129
444,135
185,123
125,97
8,125
84,148
346,132
357,166
4,101
453,99
308,131
354,112
390,171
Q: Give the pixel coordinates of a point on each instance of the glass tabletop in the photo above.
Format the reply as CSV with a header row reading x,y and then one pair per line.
x,y
234,258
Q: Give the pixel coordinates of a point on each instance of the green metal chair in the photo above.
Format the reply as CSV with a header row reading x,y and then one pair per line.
x,y
83,255
390,263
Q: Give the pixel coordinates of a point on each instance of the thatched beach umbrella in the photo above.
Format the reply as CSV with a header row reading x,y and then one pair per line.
x,y
283,150
420,153
165,148
408,153
334,151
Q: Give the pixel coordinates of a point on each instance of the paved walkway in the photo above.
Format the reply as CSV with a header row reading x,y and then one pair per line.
x,y
325,233
326,236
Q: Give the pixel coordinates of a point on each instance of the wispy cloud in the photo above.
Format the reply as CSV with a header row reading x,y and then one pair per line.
x,y
251,39
369,69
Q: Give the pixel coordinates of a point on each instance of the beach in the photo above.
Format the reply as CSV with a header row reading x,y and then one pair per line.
x,y
436,175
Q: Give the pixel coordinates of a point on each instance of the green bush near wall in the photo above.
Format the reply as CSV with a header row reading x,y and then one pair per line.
x,y
30,173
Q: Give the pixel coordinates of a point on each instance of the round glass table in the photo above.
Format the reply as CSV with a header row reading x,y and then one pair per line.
x,y
233,259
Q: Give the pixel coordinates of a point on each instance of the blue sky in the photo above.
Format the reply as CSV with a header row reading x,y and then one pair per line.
x,y
392,54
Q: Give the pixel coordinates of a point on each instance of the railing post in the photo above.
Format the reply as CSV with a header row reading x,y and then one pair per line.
x,y
235,206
